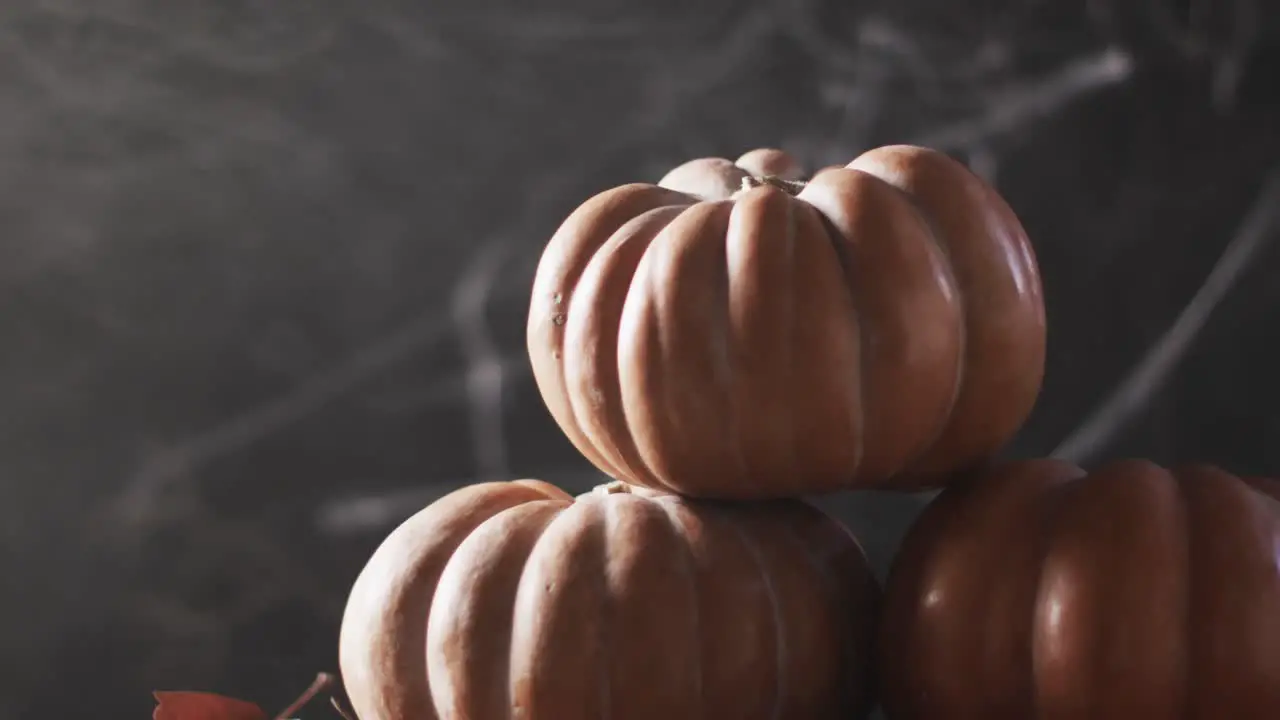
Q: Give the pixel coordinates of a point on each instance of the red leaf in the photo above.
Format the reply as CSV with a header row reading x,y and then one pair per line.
x,y
183,705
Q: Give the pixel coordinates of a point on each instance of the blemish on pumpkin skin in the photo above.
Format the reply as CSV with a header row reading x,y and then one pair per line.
x,y
557,298
558,319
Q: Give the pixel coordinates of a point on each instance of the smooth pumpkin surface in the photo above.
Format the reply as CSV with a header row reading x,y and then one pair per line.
x,y
1037,590
734,333
515,600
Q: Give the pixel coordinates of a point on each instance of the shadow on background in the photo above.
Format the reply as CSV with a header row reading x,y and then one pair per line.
x,y
265,269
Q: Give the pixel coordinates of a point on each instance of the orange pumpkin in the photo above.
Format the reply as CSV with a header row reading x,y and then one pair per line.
x,y
733,333
1037,590
515,600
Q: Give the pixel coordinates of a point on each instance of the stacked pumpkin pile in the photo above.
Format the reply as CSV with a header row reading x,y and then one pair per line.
x,y
731,339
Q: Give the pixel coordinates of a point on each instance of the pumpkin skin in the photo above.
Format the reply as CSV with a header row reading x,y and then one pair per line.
x,y
515,600
1037,590
879,329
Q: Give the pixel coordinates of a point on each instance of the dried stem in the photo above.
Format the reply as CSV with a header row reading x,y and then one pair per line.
x,y
790,187
322,682
338,708
612,487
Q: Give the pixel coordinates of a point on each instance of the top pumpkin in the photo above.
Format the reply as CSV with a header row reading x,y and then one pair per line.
x,y
734,333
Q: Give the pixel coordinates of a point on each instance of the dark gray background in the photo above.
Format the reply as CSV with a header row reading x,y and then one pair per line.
x,y
264,268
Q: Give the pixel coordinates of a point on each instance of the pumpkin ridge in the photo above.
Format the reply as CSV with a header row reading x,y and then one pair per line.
x,y
566,286
740,384
943,249
705,179
780,632
990,254
549,491
605,521
793,427
723,368
857,407
574,538
638,645
809,226
873,225
561,265
1091,639
636,313
605,426
678,527
845,260
653,390
472,602
823,554
1051,508
605,678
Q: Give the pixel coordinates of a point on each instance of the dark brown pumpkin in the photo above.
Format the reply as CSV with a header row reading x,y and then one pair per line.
x,y
1037,590
736,334
515,600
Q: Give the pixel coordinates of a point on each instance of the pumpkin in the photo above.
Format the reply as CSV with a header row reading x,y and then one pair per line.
x,y
1039,590
734,333
516,600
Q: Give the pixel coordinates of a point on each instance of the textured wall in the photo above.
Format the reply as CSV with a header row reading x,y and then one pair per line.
x,y
264,267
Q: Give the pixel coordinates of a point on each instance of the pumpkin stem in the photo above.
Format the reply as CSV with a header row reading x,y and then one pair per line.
x,y
790,187
322,682
610,488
